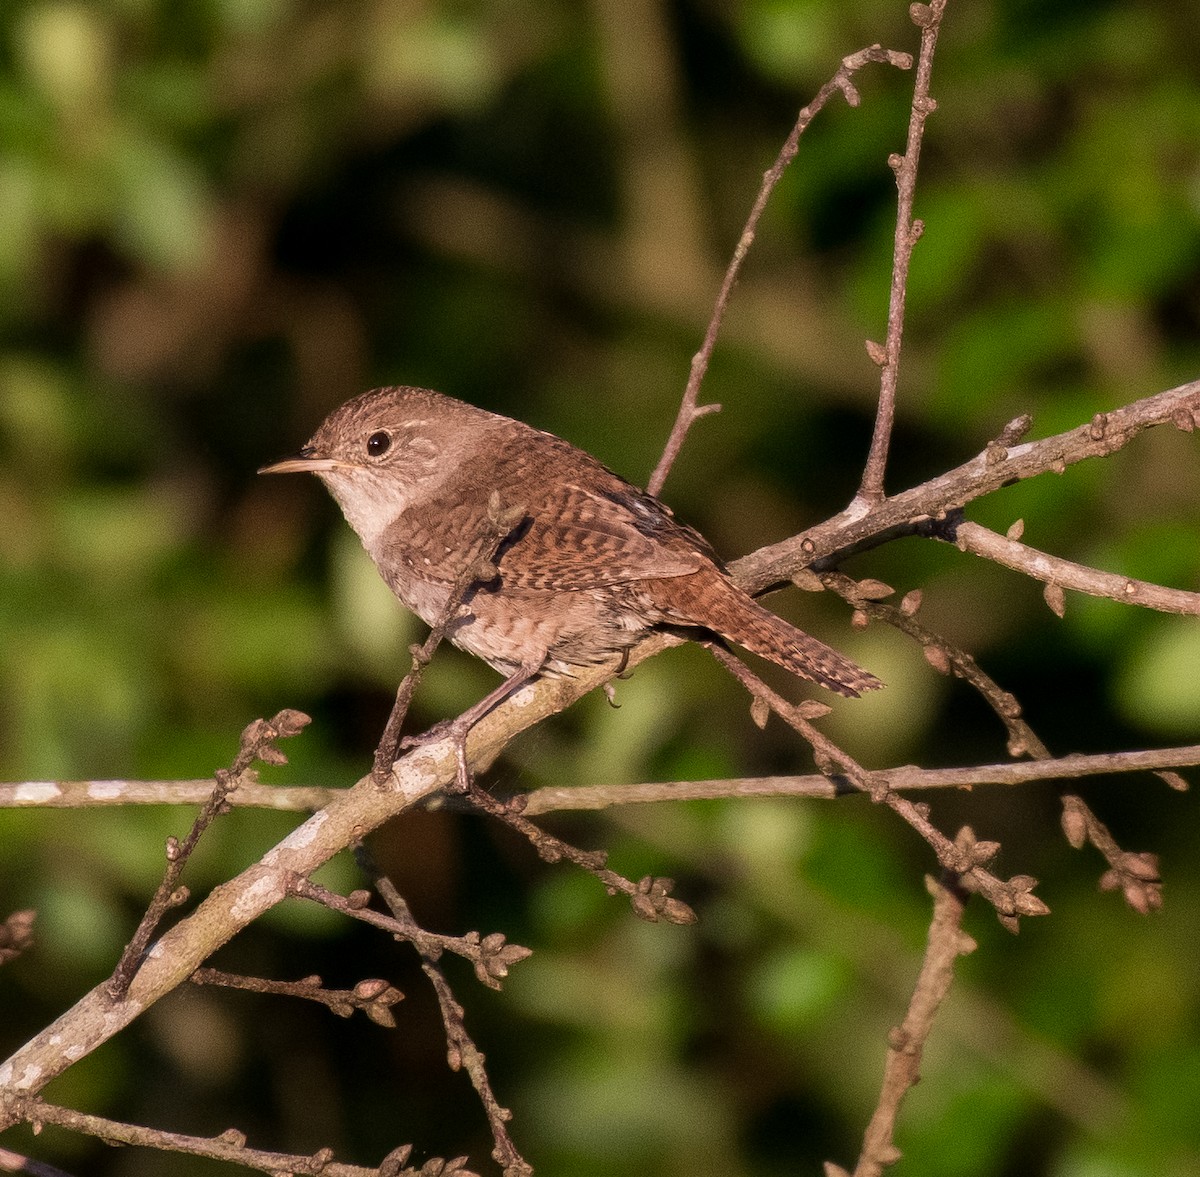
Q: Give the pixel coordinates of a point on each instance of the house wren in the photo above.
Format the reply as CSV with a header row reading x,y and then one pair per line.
x,y
585,563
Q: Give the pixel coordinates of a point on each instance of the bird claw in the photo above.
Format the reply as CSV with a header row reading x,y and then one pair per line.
x,y
447,729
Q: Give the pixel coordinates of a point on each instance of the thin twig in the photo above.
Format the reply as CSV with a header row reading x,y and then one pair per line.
x,y
1066,574
375,997
1134,873
983,1030
908,233
491,955
561,799
257,743
945,657
966,855
906,1043
461,1048
229,1146
689,410
650,896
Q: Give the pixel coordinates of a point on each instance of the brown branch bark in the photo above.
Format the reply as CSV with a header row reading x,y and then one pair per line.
x,y
906,1043
556,799
461,1049
230,1146
1066,574
908,233
553,799
922,507
689,410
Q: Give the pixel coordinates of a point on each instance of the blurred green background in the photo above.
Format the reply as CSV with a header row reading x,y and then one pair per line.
x,y
221,218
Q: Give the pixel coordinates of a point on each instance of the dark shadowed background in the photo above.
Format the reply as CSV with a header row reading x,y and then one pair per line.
x,y
220,219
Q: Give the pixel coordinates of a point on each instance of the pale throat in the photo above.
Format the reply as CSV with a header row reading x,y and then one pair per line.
x,y
370,503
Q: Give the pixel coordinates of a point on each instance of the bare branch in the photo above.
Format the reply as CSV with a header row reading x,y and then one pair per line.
x,y
557,799
554,799
462,1051
945,657
908,233
258,742
966,856
689,411
650,897
1066,574
860,527
906,1043
374,997
230,1146
1136,874
98,794
491,955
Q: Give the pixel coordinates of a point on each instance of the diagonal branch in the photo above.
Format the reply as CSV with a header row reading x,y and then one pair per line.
x,y
1066,574
966,856
945,657
861,527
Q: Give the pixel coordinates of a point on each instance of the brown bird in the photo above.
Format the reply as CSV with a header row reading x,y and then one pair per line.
x,y
586,563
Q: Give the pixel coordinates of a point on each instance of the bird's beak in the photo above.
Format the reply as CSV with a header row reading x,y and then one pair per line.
x,y
305,462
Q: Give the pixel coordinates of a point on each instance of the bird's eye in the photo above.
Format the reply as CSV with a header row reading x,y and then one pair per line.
x,y
379,443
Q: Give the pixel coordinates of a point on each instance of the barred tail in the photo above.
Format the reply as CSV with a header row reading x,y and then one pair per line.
x,y
716,603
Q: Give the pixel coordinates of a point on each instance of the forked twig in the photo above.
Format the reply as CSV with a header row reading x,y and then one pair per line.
x,y
965,855
650,896
689,410
257,743
491,955
462,1051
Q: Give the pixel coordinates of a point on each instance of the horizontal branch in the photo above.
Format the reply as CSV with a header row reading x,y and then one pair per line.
x,y
584,797
93,794
555,799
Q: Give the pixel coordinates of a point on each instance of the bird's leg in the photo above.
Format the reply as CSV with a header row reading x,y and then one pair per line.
x,y
459,728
